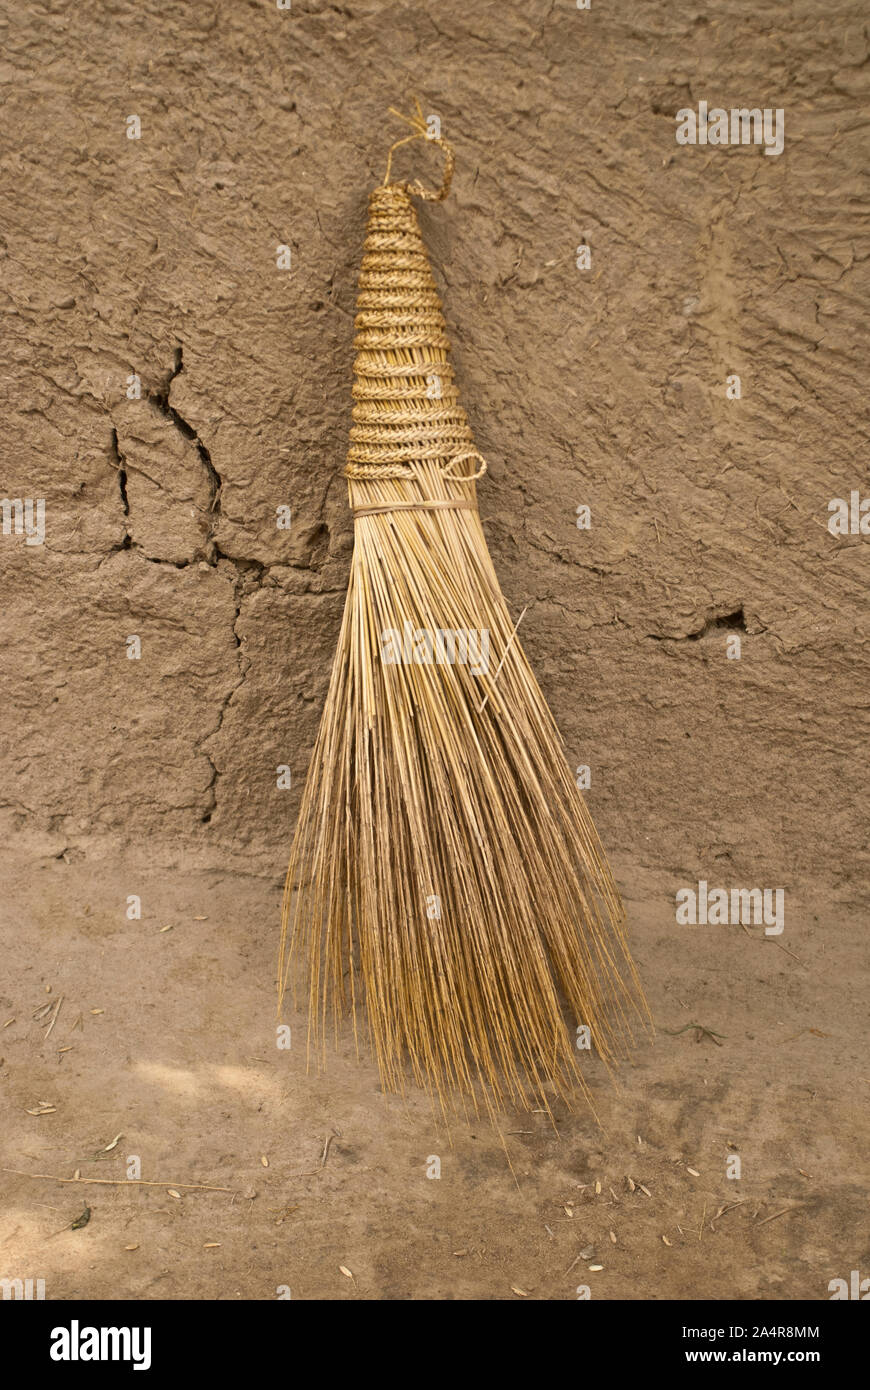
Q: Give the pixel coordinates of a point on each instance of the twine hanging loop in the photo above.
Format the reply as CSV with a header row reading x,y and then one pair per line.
x,y
421,132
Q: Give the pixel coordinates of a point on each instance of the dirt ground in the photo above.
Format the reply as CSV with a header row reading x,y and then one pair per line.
x,y
156,260
172,1046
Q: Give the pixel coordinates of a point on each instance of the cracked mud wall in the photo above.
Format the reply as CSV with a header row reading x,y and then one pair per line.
x,y
156,258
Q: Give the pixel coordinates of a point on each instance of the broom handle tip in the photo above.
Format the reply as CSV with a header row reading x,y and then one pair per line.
x,y
421,132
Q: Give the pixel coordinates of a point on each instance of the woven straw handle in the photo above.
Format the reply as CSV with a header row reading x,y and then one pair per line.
x,y
406,403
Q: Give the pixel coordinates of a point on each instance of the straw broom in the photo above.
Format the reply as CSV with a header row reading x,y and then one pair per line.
x,y
445,874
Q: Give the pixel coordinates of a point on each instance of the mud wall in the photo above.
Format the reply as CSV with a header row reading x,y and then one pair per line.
x,y
171,383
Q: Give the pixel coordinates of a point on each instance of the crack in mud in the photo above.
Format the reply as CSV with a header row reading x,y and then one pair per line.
x,y
161,399
734,621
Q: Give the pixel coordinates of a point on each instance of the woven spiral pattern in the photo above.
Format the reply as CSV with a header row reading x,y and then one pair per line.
x,y
406,404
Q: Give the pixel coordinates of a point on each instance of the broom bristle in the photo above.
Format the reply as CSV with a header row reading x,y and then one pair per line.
x,y
444,872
